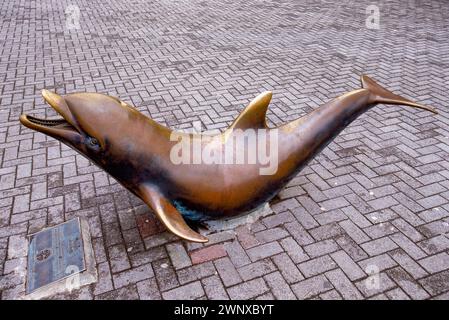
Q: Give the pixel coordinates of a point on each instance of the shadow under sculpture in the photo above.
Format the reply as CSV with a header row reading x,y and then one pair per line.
x,y
138,152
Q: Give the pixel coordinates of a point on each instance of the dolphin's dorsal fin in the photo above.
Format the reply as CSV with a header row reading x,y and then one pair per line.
x,y
168,214
254,115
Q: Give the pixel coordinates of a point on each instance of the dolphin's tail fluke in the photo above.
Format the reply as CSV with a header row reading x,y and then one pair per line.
x,y
382,95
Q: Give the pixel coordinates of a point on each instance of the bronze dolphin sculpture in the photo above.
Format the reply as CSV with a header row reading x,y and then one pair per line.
x,y
136,151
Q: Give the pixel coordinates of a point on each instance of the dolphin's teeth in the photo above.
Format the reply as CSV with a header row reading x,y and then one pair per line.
x,y
46,122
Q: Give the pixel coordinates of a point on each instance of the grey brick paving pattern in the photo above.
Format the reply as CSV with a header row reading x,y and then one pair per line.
x,y
368,218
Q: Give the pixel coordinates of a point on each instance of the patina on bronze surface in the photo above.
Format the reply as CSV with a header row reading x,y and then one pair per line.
x,y
135,150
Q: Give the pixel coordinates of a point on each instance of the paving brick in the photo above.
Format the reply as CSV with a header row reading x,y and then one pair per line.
x,y
435,244
118,258
397,294
143,257
21,203
408,215
407,230
271,235
316,266
266,296
351,247
112,235
95,226
207,254
285,205
104,283
220,237
299,233
311,287
125,293
214,288
165,274
360,206
246,238
187,292
17,247
433,214
159,239
380,296
444,296
330,216
356,217
227,271
108,213
305,218
434,228
148,290
375,284
436,283
380,230
408,284
352,230
436,263
321,248
256,269
347,265
343,285
99,250
380,262
133,276
287,268
178,255
327,231
379,246
408,246
335,203
236,253
196,272
382,203
292,248
278,219
263,251
149,225
248,290
17,265
290,192
432,201
279,287
14,292
11,280
331,295
408,264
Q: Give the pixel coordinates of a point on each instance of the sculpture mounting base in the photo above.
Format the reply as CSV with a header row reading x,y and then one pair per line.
x,y
234,222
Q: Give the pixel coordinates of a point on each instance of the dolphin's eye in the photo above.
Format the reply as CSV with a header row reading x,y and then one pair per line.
x,y
93,142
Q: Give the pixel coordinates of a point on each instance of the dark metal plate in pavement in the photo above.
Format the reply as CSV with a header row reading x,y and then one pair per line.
x,y
55,253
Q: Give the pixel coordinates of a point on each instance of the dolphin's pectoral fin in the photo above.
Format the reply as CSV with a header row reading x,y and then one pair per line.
x,y
254,115
168,214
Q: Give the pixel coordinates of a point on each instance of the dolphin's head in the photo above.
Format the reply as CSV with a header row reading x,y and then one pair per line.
x,y
91,123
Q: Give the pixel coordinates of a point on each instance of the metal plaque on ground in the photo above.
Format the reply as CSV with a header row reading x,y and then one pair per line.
x,y
55,253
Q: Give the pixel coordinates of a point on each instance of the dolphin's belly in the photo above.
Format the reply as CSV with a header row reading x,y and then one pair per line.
x,y
225,190
236,195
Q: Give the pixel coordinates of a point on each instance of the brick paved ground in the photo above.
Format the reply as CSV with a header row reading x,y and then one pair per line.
x,y
376,201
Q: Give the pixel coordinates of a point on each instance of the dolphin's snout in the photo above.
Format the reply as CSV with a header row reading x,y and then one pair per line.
x,y
59,104
64,128
53,99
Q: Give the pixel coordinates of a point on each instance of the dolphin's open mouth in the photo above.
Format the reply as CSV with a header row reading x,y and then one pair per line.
x,y
58,128
58,123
